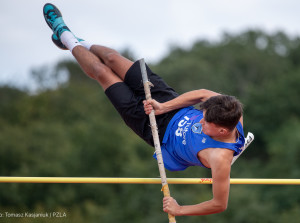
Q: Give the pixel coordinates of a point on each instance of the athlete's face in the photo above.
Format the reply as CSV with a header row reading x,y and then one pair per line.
x,y
210,128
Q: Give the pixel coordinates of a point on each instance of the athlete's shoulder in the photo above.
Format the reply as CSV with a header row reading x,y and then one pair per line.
x,y
220,156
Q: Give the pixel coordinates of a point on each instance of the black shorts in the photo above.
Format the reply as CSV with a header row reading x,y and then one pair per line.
x,y
127,97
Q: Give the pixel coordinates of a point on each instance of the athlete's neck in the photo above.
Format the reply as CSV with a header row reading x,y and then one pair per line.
x,y
229,138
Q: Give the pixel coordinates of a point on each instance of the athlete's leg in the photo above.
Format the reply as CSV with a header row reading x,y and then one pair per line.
x,y
64,38
119,64
94,68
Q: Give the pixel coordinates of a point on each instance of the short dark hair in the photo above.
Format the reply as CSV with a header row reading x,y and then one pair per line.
x,y
223,110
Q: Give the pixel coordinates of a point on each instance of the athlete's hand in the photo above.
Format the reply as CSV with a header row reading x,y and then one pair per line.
x,y
149,105
171,206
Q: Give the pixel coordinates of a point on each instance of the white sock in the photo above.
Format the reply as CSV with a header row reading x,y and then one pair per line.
x,y
86,44
69,40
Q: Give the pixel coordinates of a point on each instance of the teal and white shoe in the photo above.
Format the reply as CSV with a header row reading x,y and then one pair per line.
x,y
54,19
58,43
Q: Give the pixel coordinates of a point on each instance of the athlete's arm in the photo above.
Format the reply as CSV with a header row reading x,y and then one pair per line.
x,y
184,100
221,184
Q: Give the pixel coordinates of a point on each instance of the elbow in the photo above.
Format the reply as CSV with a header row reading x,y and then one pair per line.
x,y
203,91
223,208
206,94
220,207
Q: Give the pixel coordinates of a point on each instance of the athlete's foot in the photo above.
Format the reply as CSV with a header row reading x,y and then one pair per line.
x,y
54,20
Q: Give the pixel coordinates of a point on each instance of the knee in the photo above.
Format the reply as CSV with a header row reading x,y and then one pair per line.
x,y
99,70
112,57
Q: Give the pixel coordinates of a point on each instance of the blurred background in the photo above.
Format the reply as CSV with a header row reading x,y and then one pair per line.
x,y
56,122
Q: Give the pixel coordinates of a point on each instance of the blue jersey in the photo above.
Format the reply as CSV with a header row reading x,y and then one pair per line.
x,y
184,138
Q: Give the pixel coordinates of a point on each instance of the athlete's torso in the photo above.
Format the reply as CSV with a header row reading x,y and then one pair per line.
x,y
184,139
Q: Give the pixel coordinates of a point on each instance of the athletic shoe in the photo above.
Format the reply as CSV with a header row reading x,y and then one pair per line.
x,y
54,19
58,43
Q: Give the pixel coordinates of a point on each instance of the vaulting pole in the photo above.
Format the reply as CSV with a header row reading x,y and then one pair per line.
x,y
165,187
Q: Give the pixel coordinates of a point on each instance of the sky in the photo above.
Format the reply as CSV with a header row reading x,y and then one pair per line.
x,y
147,28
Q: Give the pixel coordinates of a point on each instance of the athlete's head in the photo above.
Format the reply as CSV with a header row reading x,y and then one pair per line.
x,y
222,110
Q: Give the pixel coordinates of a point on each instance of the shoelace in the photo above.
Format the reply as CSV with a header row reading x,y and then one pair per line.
x,y
51,15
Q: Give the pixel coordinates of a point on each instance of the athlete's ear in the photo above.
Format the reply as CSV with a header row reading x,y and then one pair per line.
x,y
223,131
